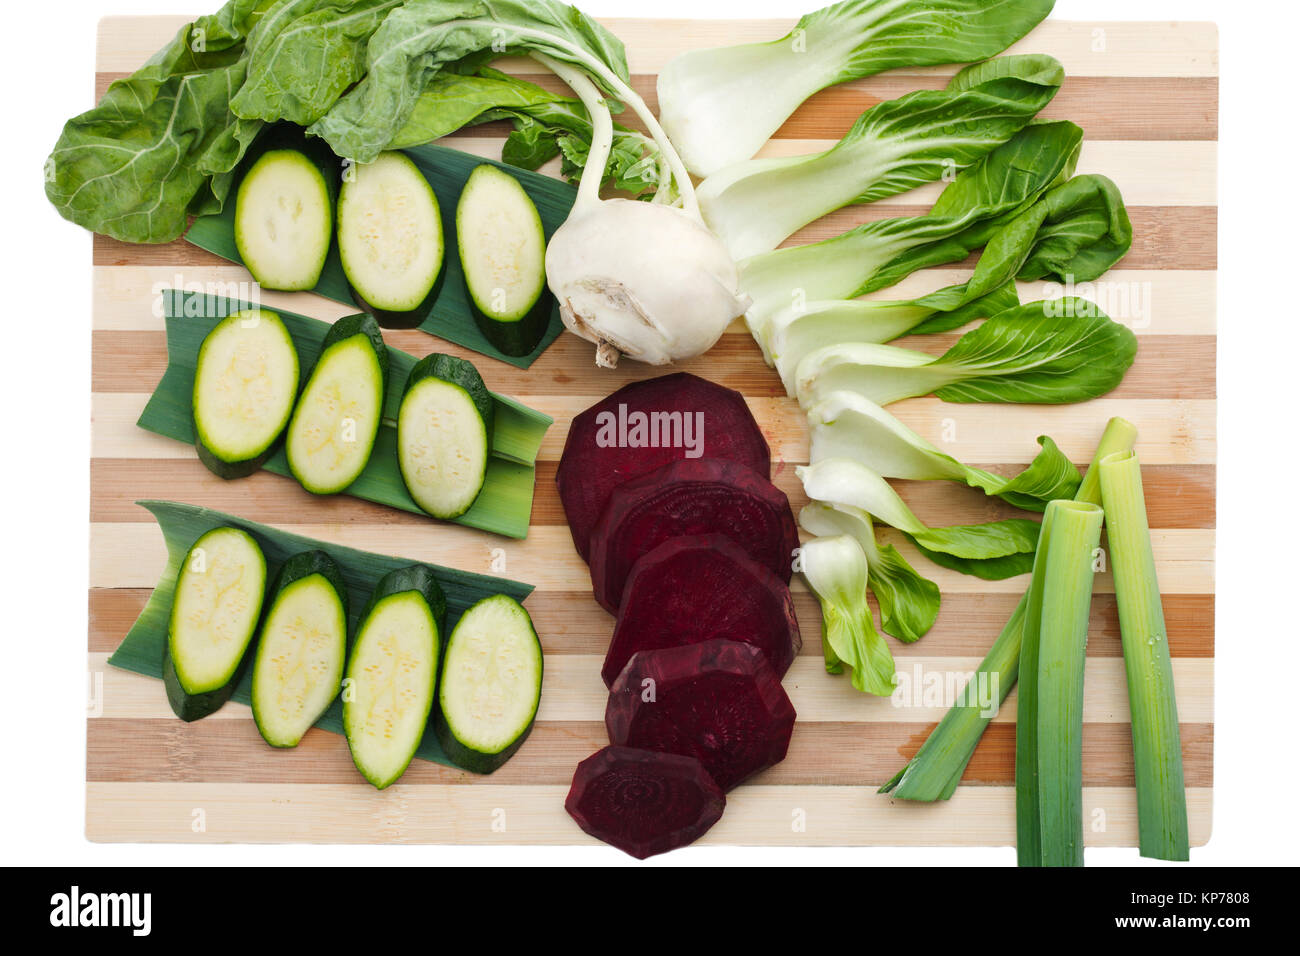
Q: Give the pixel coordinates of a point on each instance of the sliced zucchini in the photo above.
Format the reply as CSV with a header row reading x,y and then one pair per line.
x,y
284,220
491,684
335,422
299,665
502,250
390,239
444,434
392,671
215,610
245,382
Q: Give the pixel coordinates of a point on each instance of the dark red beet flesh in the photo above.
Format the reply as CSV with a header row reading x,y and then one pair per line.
x,y
697,588
642,801
591,467
719,702
690,497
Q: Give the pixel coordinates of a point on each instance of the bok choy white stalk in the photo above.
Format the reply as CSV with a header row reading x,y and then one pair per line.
x,y
936,770
755,205
836,571
1052,352
1157,747
850,426
1049,714
721,105
646,280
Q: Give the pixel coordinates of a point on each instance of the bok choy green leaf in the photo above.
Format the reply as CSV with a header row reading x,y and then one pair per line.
x,y
755,205
721,105
849,426
1053,352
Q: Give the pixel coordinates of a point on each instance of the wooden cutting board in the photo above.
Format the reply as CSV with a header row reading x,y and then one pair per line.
x,y
1147,96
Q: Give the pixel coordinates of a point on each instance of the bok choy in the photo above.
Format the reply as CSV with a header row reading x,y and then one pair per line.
x,y
721,105
1051,352
895,146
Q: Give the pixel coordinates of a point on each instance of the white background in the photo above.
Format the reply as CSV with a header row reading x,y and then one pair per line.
x,y
48,71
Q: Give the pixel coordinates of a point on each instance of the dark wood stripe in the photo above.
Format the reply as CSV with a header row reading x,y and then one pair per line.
x,y
570,622
1179,496
1118,108
844,754
1165,237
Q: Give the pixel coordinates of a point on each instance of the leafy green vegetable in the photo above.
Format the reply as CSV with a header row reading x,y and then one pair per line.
x,y
505,504
937,768
993,550
449,317
848,425
721,105
1040,353
909,603
141,651
1049,711
836,571
897,145
1157,747
969,212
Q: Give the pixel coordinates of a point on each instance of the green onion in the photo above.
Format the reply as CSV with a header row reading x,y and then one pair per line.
x,y
1157,748
1049,716
937,768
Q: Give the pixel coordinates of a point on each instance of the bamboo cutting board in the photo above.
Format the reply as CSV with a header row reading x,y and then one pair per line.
x,y
1146,95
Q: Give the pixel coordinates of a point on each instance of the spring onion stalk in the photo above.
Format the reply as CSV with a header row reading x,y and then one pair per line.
x,y
1157,748
1049,716
937,768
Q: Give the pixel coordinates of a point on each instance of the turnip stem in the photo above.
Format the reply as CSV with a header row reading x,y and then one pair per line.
x,y
602,125
1049,716
937,768
1157,747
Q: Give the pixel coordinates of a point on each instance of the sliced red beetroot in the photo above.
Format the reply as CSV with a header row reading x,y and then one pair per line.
x,y
690,497
698,588
622,437
719,702
642,801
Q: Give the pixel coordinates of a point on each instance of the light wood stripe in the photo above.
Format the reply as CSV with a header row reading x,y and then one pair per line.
x,y
1151,302
572,623
133,555
573,691
1179,496
339,813
866,755
1170,432
1128,49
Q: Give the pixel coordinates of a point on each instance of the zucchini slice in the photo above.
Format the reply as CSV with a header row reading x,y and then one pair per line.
x,y
215,610
390,239
284,220
299,665
502,250
245,382
392,672
335,422
491,684
444,435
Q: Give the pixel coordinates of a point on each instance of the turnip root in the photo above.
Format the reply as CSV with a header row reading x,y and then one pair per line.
x,y
643,279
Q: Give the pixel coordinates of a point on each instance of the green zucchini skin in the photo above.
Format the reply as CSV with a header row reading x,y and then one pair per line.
x,y
516,334
212,459
458,751
413,319
192,707
348,327
464,378
420,579
305,564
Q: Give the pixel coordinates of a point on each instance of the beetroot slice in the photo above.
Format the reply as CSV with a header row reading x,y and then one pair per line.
x,y
719,702
591,467
690,497
642,801
696,588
